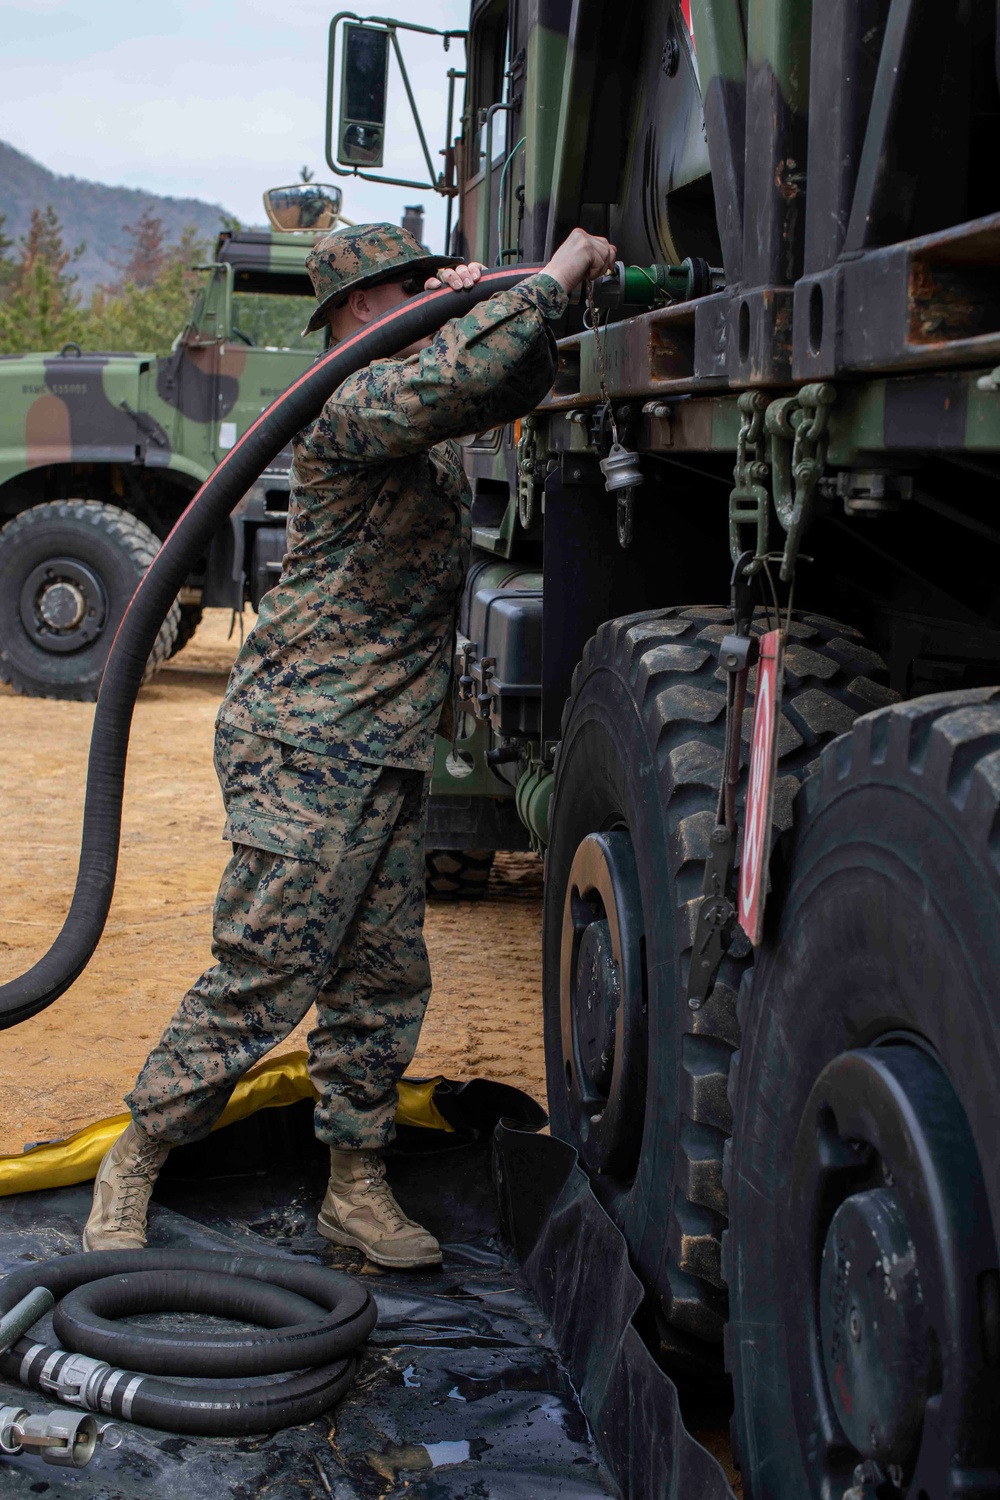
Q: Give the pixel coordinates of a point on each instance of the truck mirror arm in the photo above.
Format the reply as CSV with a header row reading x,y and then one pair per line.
x,y
437,182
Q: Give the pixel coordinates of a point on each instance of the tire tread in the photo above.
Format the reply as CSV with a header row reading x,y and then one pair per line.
x,y
948,742
457,874
670,660
135,538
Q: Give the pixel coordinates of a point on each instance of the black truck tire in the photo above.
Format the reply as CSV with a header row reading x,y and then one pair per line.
x,y
636,1080
68,569
864,1190
457,874
189,618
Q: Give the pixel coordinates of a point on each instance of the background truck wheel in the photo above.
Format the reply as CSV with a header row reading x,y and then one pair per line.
x,y
189,618
636,1081
458,874
861,1255
68,569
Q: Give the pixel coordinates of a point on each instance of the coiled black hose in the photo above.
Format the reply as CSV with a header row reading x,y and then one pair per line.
x,y
309,1319
69,955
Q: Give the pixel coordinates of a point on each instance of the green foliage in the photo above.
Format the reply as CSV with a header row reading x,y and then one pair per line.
x,y
40,307
6,264
151,302
146,318
144,310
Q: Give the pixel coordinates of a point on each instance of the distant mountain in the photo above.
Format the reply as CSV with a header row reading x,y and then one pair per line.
x,y
92,212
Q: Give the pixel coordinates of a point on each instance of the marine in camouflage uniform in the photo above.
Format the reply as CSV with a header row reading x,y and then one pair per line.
x,y
325,736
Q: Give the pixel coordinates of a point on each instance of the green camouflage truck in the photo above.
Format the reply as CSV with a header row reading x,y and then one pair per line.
x,y
100,453
783,410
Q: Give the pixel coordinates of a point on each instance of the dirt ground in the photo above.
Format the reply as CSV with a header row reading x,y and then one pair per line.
x,y
72,1063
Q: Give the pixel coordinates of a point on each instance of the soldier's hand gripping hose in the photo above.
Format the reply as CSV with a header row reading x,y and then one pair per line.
x,y
415,319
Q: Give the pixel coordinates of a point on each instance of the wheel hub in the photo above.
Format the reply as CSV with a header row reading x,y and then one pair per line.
x,y
597,996
63,605
873,1325
603,1003
888,1258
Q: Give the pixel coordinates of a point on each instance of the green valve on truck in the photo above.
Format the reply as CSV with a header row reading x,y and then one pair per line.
x,y
656,285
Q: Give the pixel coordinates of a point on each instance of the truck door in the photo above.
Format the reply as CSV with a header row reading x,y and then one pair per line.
x,y
195,382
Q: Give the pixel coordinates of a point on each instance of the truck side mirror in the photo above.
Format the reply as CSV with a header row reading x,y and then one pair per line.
x,y
309,206
363,86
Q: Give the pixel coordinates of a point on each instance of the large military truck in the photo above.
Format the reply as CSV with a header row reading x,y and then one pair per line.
x,y
776,428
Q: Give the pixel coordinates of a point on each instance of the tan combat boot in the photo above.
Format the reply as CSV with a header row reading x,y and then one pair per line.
x,y
122,1190
360,1211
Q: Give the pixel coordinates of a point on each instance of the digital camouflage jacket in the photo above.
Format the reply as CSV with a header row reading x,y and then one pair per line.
x,y
351,651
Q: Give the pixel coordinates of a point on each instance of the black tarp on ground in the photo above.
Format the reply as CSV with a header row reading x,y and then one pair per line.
x,y
462,1390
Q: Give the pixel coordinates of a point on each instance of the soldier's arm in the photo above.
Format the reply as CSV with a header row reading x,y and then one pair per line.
x,y
491,365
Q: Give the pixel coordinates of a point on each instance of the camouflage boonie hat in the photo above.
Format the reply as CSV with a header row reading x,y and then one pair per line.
x,y
350,259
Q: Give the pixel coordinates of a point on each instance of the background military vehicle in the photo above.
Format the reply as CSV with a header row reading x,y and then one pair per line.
x,y
100,453
796,388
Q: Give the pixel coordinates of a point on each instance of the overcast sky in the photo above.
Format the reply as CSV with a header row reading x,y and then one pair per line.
x,y
216,99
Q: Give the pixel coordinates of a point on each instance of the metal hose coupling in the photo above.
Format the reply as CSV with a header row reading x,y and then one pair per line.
x,y
79,1380
622,474
59,1437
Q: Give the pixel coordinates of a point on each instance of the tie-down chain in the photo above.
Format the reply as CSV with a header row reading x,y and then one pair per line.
x,y
784,440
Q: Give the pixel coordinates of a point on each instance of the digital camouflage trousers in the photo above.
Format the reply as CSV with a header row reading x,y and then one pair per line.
x,y
321,904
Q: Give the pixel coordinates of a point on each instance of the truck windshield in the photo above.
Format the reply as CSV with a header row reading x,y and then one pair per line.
x,y
274,321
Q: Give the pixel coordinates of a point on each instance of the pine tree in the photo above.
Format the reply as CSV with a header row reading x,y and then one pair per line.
x,y
138,315
6,264
41,309
44,242
144,311
148,255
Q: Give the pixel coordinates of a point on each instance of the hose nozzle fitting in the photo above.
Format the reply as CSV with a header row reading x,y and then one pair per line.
x,y
64,1438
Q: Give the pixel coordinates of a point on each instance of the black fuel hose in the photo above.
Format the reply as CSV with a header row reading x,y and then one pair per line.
x,y
69,955
309,1321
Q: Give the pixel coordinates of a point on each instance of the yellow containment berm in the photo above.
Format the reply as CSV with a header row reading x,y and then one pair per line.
x,y
279,1081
